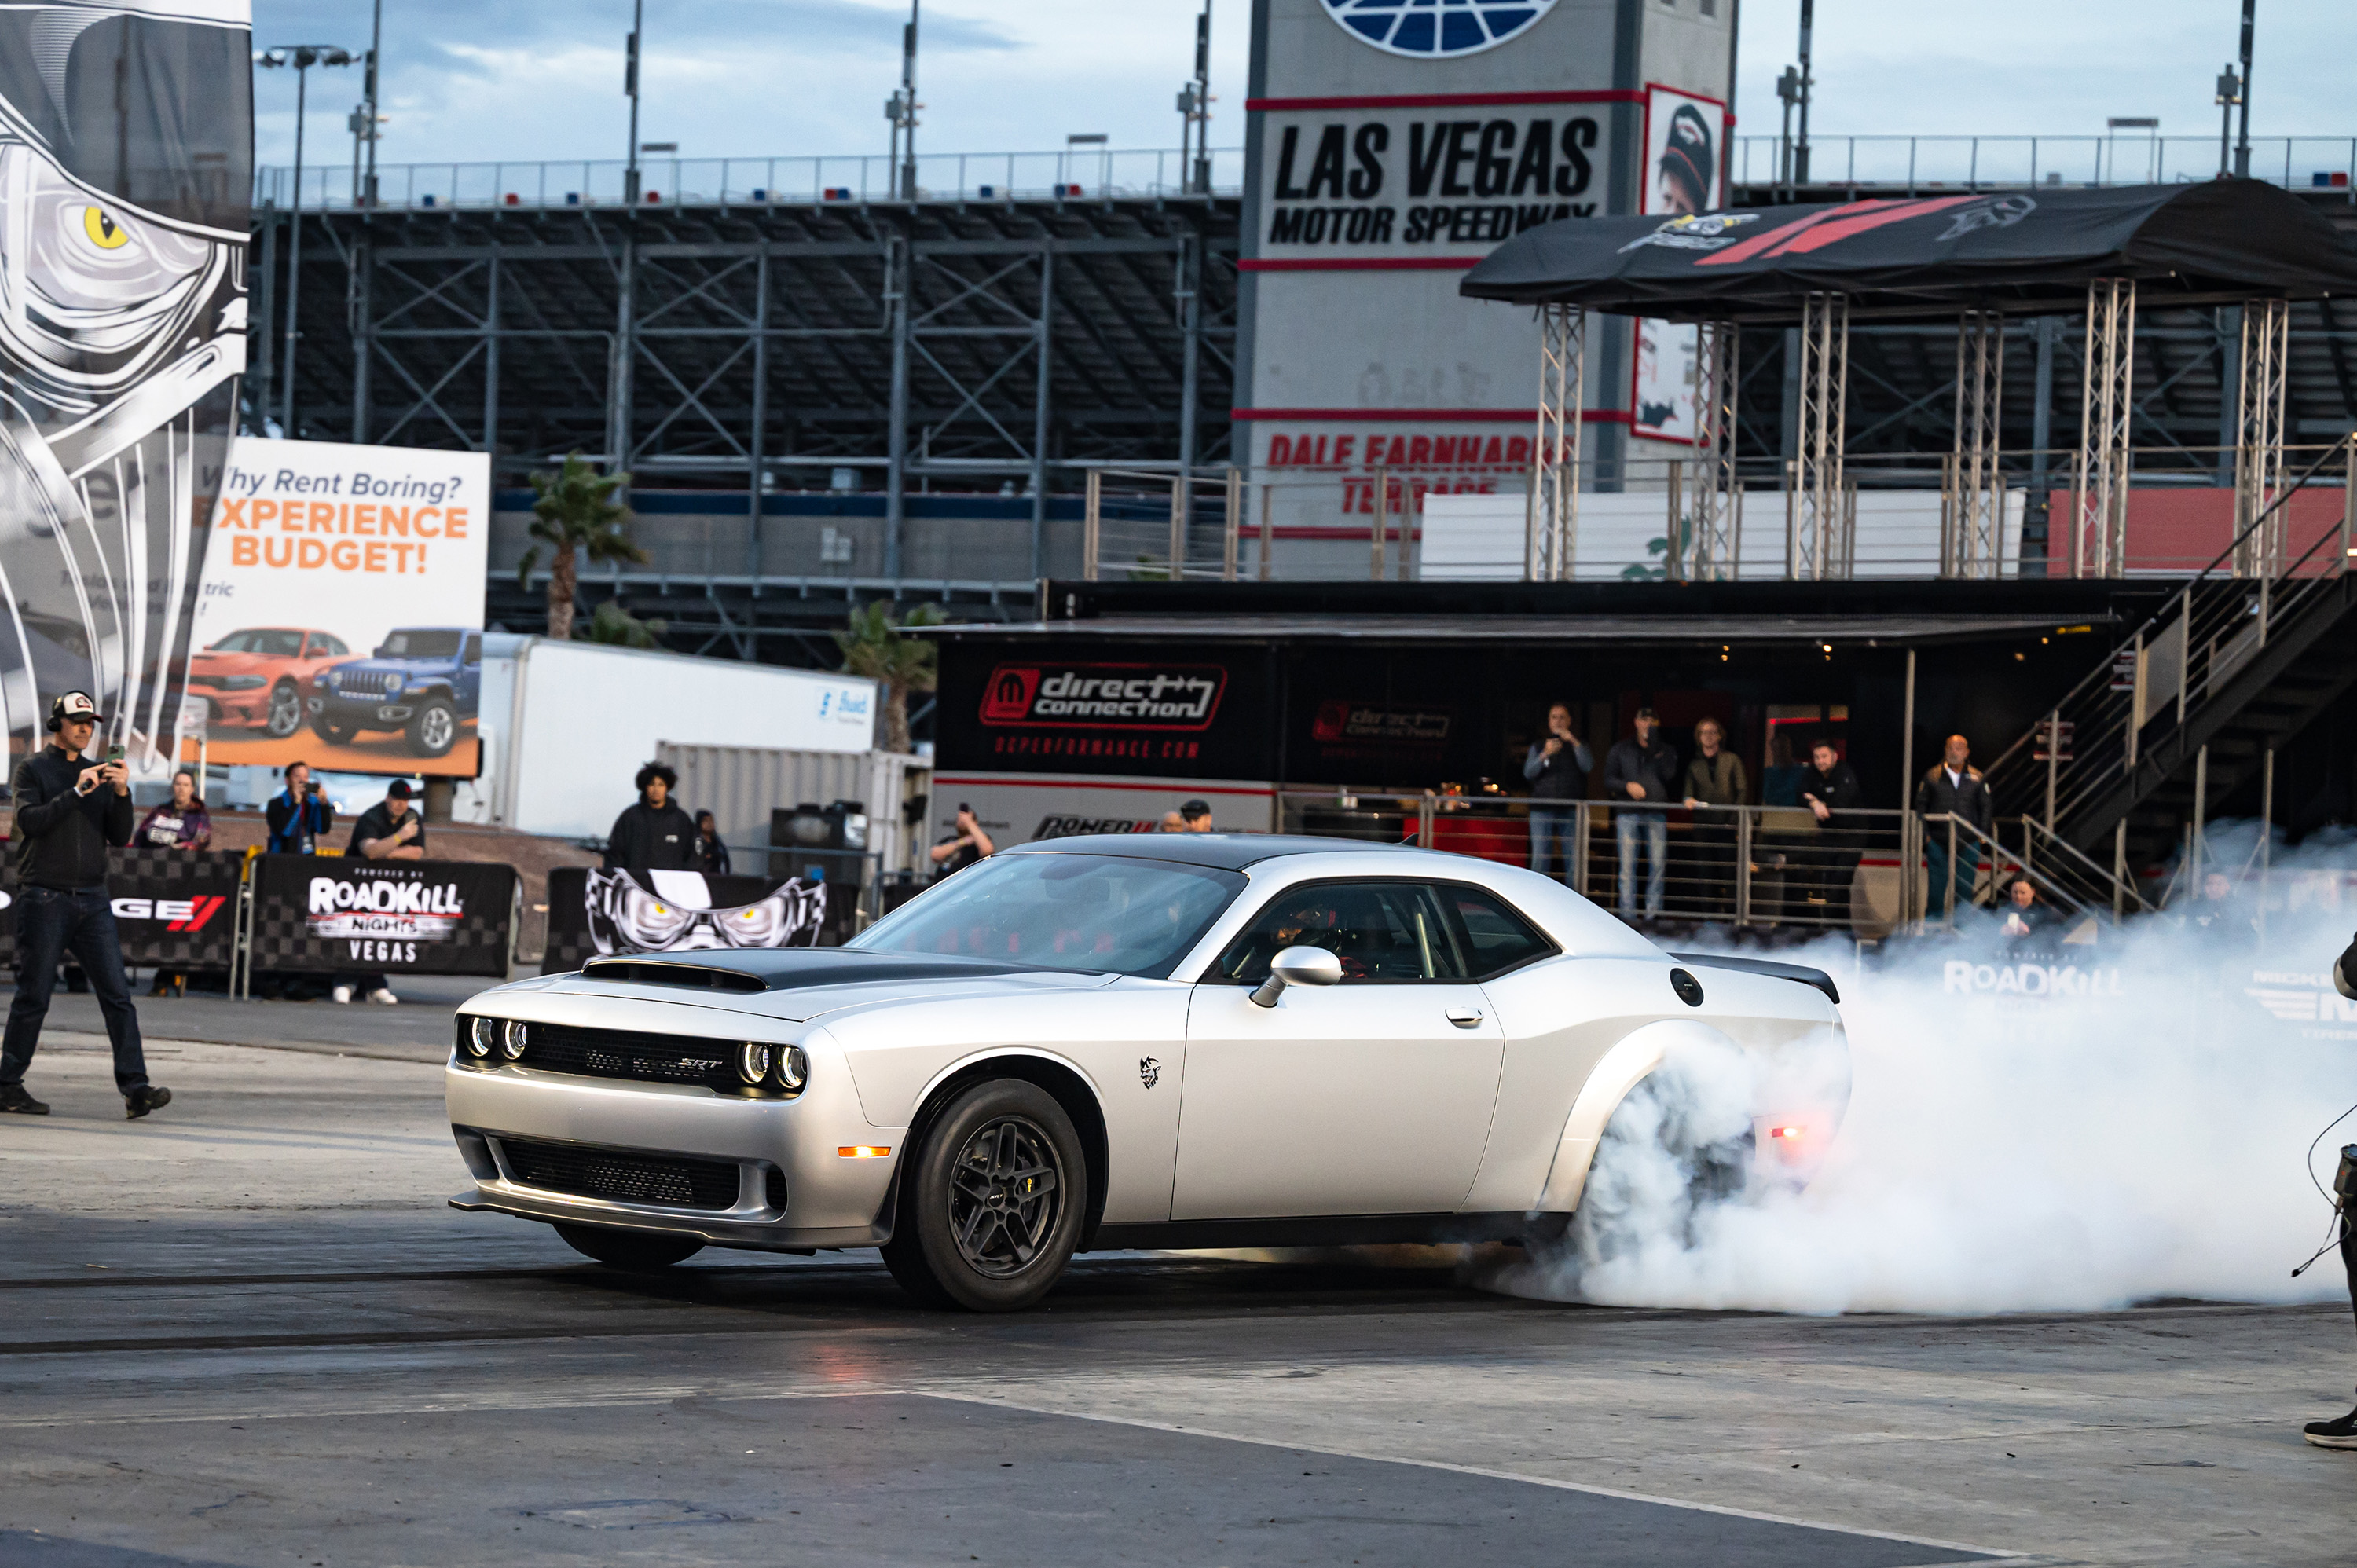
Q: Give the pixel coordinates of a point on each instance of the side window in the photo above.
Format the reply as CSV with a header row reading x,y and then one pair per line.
x,y
336,648
1390,931
474,652
1496,938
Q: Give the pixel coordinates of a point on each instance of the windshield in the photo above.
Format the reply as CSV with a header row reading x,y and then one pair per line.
x,y
286,644
420,645
1104,913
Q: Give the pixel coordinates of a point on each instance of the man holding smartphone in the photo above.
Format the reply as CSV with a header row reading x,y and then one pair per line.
x,y
299,816
69,809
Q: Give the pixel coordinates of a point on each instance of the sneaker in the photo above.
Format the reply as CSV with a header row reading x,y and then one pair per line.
x,y
384,997
143,1100
13,1098
2341,1432
340,994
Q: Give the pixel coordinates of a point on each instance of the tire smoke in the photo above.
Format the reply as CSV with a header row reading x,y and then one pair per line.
x,y
2128,1126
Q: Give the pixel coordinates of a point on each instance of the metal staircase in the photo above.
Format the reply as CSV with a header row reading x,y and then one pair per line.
x,y
2193,704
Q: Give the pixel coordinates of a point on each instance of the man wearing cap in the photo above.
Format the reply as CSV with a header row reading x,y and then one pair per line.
x,y
1197,815
69,809
386,831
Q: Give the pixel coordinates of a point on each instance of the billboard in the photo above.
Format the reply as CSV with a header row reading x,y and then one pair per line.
x,y
1685,172
1055,709
342,616
126,138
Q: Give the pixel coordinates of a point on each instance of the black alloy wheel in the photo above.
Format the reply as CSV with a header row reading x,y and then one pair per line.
x,y
991,1206
286,714
634,1251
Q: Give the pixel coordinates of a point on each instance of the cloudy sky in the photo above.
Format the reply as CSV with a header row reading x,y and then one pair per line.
x,y
479,79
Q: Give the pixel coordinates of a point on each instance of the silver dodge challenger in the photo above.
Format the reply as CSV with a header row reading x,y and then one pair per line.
x,y
1133,1041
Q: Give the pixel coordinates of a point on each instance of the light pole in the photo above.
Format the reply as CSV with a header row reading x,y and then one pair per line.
x,y
631,87
1195,112
375,54
1805,88
1788,91
2230,93
2242,141
900,109
302,56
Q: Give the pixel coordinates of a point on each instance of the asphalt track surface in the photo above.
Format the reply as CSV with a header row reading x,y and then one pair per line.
x,y
247,1331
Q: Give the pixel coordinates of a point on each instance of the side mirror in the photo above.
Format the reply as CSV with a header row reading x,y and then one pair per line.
x,y
1298,966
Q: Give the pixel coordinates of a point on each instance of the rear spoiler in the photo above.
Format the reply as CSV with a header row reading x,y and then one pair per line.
x,y
1799,972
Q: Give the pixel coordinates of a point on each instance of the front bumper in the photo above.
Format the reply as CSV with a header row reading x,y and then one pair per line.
x,y
829,1200
247,708
360,715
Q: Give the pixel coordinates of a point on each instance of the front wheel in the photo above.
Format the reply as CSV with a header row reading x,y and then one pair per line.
x,y
286,714
635,1252
991,1203
434,729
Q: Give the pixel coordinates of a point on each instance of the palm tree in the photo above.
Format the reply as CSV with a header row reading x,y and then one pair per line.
x,y
575,516
874,646
617,626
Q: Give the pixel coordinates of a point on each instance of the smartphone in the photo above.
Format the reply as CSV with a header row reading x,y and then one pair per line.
x,y
967,809
113,754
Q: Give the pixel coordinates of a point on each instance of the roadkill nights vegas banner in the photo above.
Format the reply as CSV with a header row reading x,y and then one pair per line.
x,y
126,151
323,914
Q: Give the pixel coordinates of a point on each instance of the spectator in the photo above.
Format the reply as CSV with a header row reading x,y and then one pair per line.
x,y
297,815
1195,815
1829,790
1557,768
182,824
2026,913
654,834
963,847
389,829
1172,822
2222,911
711,854
69,809
1715,777
1640,780
1953,788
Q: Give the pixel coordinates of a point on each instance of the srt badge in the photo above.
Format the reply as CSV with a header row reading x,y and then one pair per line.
x,y
1149,1071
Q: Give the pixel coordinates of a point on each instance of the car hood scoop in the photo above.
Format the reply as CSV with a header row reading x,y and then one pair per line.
x,y
750,969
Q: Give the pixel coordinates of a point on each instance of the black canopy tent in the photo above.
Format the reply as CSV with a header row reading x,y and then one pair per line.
x,y
2024,253
1976,257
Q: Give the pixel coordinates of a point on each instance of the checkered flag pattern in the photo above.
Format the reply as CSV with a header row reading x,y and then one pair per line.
x,y
464,928
173,908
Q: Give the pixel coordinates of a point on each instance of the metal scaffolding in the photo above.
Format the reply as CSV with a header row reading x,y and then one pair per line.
x,y
1551,522
1820,505
2259,438
1716,508
1972,512
2099,510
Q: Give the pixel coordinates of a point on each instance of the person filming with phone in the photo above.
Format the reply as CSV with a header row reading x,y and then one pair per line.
x,y
299,815
970,844
69,809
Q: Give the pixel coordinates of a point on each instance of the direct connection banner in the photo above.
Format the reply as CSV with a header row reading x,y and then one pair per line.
x,y
342,616
596,914
174,908
327,914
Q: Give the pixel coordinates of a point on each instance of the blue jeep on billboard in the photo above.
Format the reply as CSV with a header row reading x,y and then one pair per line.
x,y
423,680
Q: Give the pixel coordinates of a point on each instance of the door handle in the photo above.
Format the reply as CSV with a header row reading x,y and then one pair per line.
x,y
1465,1017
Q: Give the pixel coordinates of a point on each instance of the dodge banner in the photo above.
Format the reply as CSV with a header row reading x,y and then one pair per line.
x,y
594,913
172,909
325,914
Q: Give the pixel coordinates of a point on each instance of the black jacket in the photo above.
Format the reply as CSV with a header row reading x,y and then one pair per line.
x,y
291,833
1839,790
650,838
62,836
1654,765
1563,777
377,822
1968,799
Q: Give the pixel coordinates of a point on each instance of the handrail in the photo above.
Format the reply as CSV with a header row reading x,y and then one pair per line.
x,y
2051,840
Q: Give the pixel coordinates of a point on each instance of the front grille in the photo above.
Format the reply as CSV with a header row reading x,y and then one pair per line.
x,y
619,1053
668,1180
368,683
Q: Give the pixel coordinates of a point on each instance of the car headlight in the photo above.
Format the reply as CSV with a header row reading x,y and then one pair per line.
x,y
512,1040
240,682
481,1032
335,678
753,1061
791,1070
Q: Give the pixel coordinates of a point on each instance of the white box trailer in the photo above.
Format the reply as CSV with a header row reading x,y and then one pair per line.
x,y
741,785
567,724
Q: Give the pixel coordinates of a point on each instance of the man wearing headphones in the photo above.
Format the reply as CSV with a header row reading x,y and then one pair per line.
x,y
69,809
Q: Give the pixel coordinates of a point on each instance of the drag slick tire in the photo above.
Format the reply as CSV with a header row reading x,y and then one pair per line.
x,y
991,1204
634,1251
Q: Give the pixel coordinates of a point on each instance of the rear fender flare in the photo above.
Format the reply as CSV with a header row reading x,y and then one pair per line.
x,y
1621,1070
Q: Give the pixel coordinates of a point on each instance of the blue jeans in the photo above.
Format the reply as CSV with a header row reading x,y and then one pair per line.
x,y
1553,829
1655,826
48,923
